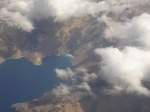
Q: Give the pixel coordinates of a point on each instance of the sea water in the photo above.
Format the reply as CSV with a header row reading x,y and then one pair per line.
x,y
22,81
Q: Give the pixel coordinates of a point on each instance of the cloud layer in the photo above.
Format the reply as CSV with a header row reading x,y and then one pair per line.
x,y
22,13
125,69
76,81
124,63
126,59
132,32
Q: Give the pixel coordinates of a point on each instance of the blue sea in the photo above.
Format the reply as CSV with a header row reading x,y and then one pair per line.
x,y
22,81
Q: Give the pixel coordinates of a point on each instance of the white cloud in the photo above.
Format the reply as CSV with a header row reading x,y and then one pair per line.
x,y
133,32
65,74
61,90
76,8
125,69
84,86
77,80
22,13
15,19
14,14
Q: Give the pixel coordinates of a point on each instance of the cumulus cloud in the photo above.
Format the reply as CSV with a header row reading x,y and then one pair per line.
x,y
61,90
77,74
76,80
76,8
132,32
126,24
125,69
22,13
126,66
14,14
65,74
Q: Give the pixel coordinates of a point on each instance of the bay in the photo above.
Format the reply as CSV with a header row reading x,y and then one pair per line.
x,y
21,81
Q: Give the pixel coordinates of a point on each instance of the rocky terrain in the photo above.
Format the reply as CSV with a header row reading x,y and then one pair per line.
x,y
50,103
52,39
109,43
97,103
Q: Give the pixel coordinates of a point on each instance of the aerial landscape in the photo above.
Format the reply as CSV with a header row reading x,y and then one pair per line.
x,y
74,55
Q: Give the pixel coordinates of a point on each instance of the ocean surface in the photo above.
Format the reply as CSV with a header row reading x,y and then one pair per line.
x,y
22,81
